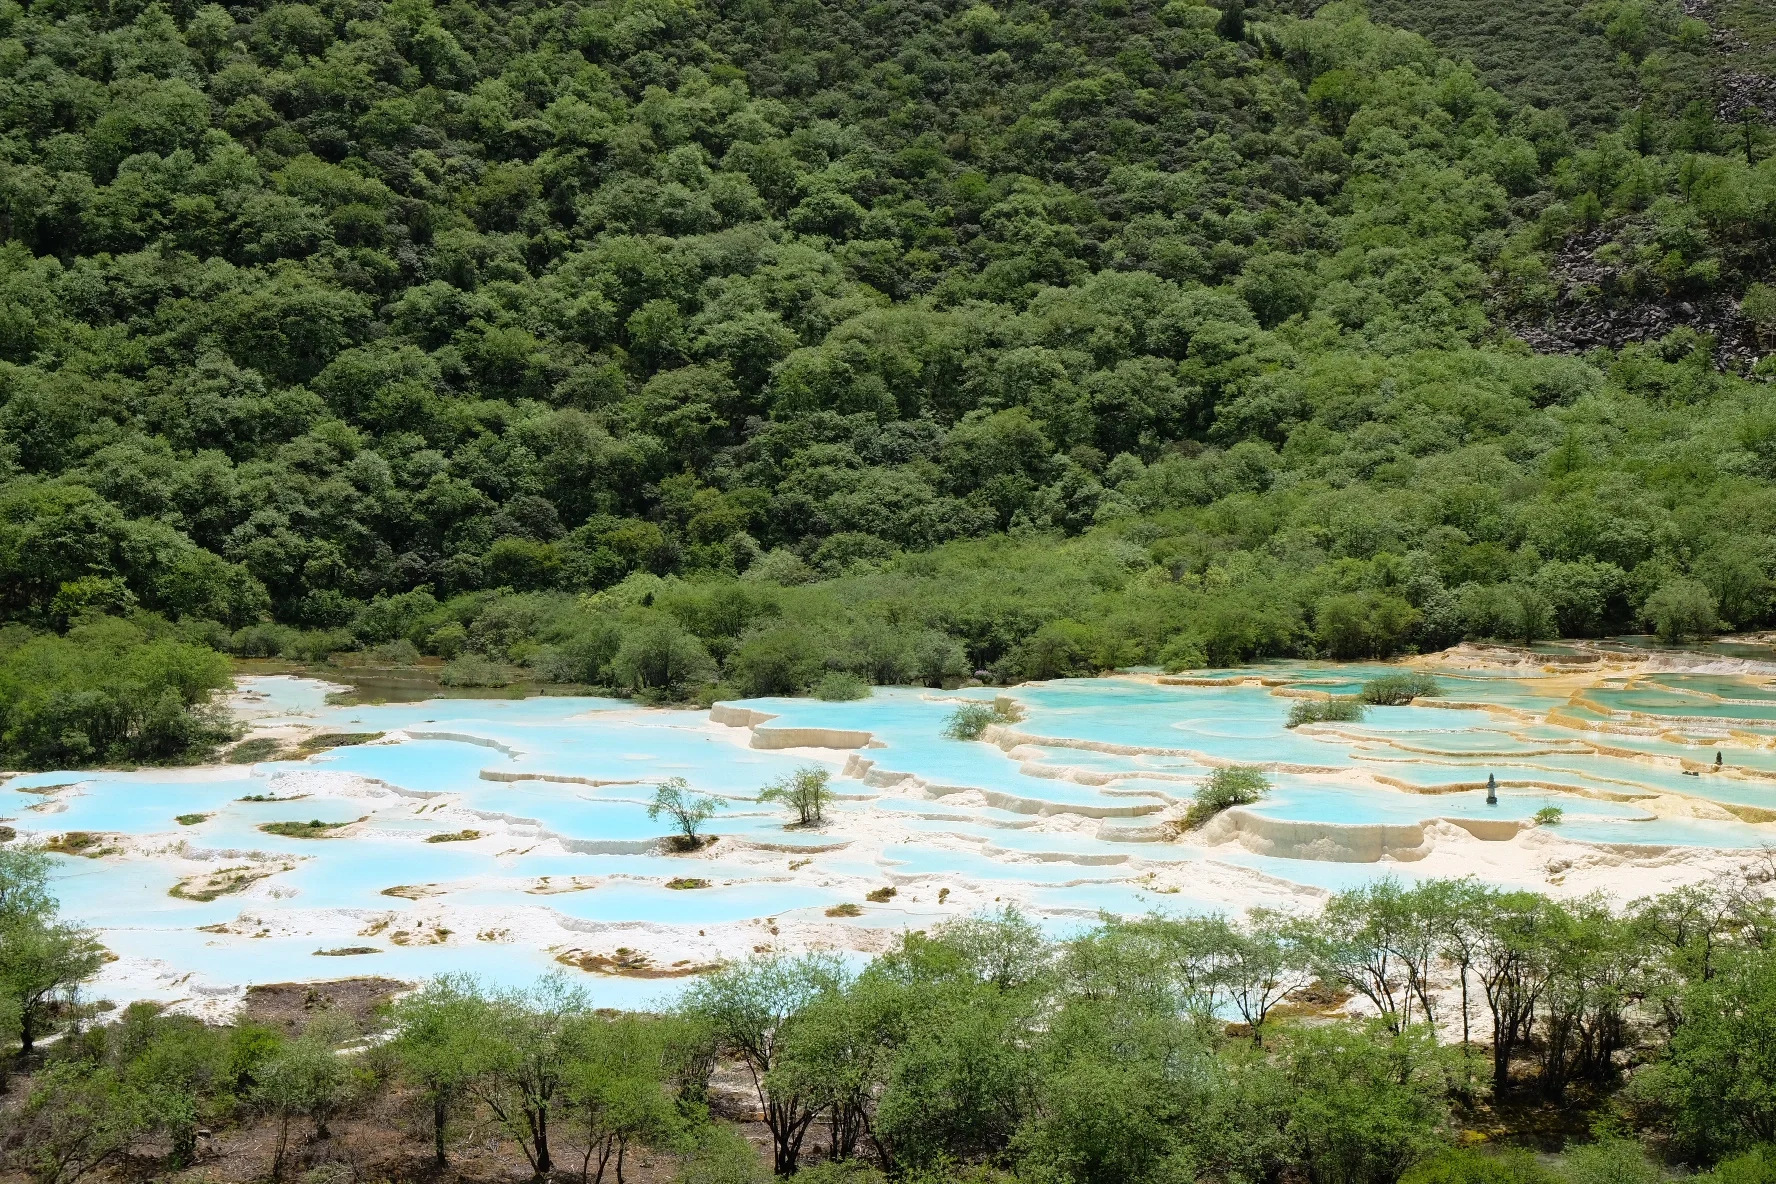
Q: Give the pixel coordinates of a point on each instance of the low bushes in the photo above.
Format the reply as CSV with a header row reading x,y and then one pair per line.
x,y
1394,690
1226,787
1325,711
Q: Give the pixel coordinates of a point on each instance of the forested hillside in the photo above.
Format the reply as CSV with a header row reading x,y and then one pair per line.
x,y
697,350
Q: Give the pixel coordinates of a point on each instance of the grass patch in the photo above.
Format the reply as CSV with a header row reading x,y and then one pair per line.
x,y
882,895
272,797
210,885
189,819
314,828
455,836
7,834
437,935
1549,816
251,752
1340,710
347,952
629,963
1226,787
686,883
328,740
845,910
78,842
1396,690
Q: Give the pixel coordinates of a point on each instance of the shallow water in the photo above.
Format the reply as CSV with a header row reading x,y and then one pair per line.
x,y
1063,814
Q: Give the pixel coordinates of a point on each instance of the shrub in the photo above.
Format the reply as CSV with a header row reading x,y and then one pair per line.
x,y
1324,711
1759,308
399,652
1228,786
1394,690
970,720
1549,816
1757,1166
781,660
661,659
108,693
721,1156
1716,1083
1681,610
688,812
475,670
843,1171
806,791
264,640
1364,624
839,686
1468,1166
1182,653
1611,1161
314,828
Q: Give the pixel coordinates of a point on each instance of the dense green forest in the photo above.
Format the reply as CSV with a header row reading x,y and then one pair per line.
x,y
700,350
1160,1050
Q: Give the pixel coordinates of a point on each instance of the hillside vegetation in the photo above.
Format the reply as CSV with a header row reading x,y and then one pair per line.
x,y
1593,60
688,349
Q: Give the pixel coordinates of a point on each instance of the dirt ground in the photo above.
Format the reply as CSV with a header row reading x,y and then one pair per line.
x,y
288,1007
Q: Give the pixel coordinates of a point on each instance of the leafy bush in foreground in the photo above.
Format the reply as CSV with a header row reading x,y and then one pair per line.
x,y
980,1048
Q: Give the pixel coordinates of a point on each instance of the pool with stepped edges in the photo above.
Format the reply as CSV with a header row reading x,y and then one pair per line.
x,y
543,856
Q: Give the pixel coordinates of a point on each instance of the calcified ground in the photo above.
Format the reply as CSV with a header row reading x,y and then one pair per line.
x,y
506,838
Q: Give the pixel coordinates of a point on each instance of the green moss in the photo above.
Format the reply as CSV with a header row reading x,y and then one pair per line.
x,y
248,752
